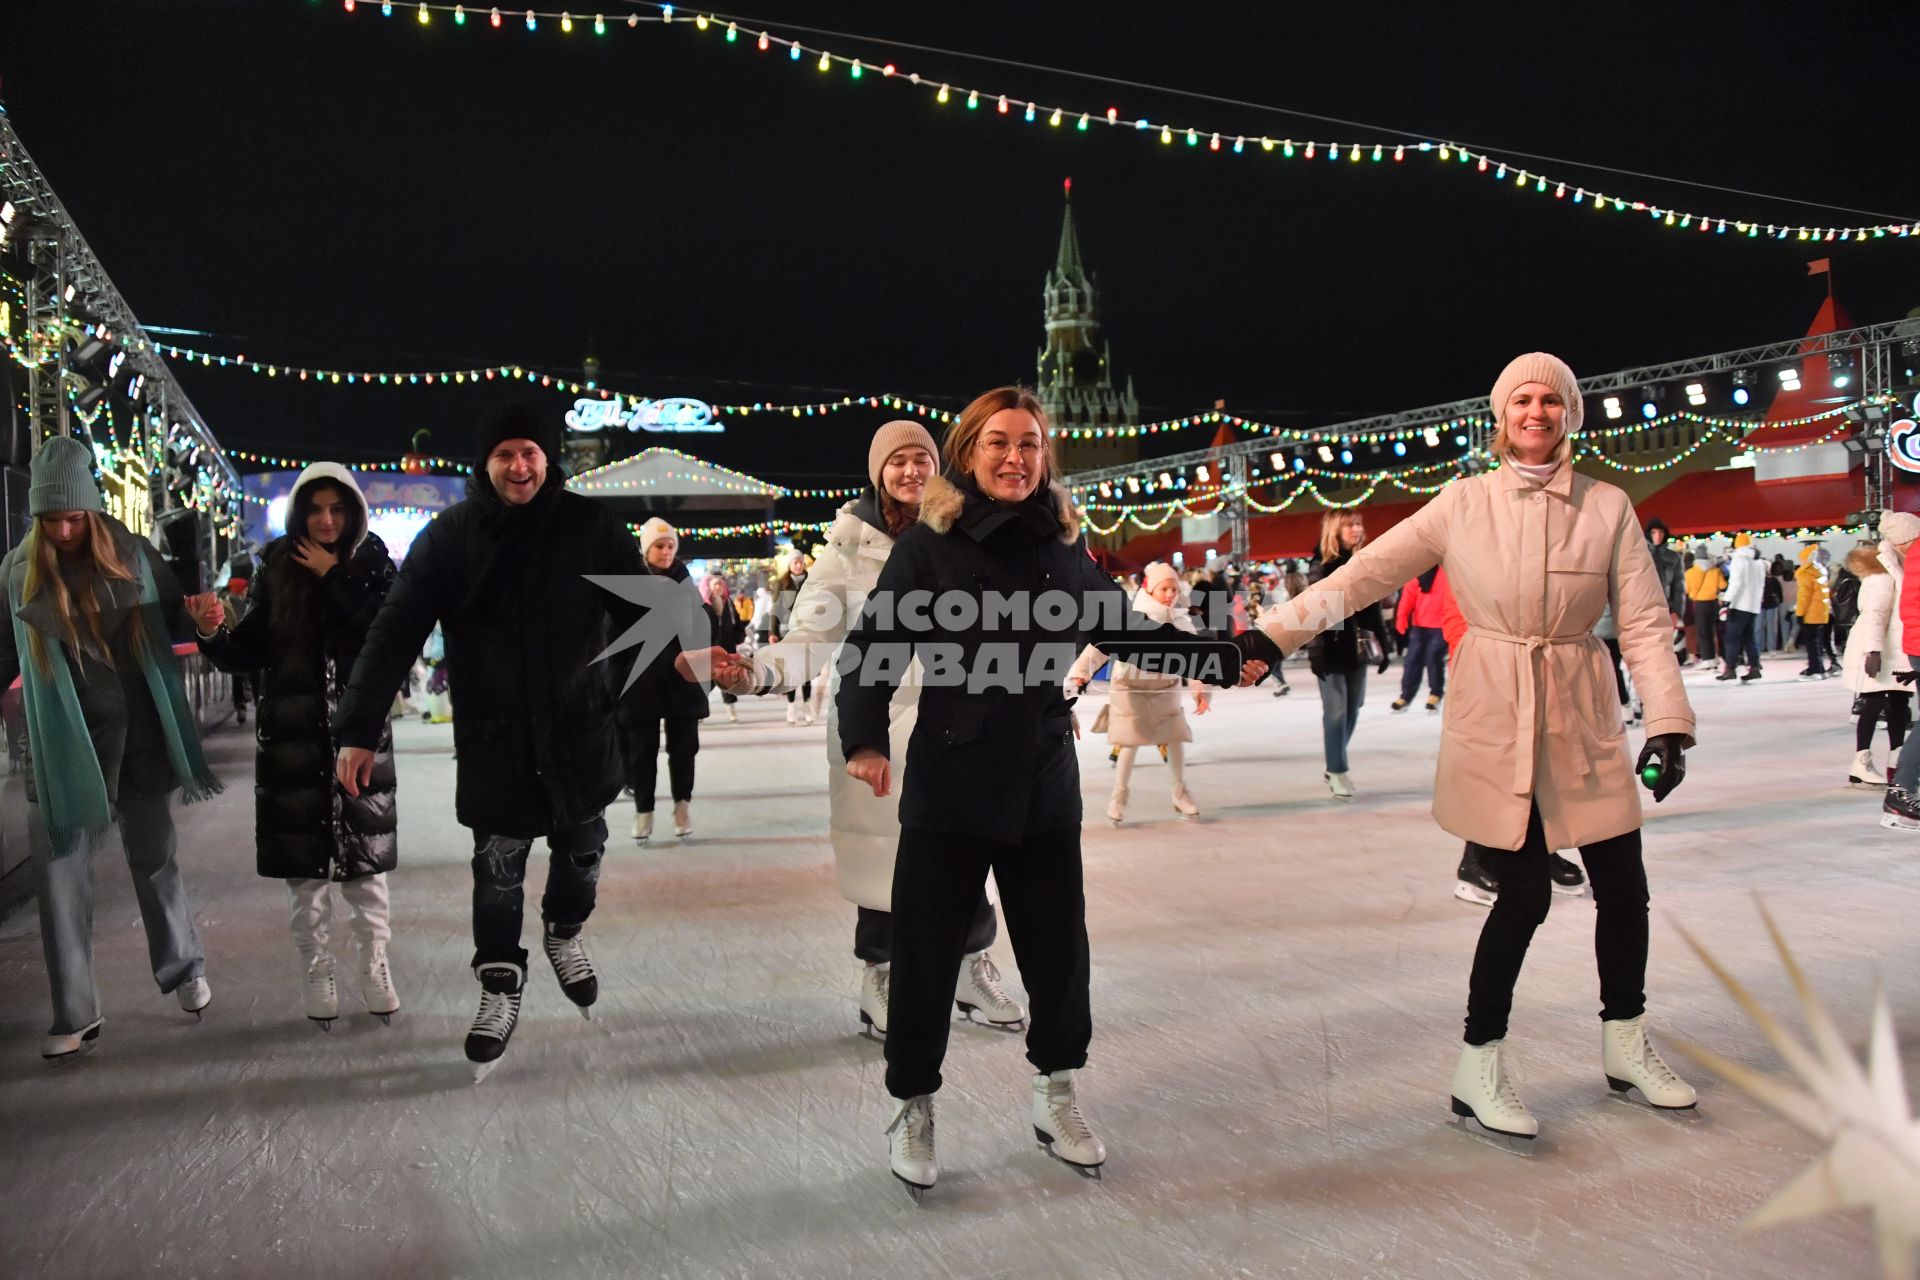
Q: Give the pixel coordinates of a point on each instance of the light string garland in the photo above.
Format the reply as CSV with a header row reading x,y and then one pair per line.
x,y
1196,137
775,527
734,481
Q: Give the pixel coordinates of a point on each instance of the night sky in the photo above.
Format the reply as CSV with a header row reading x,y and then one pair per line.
x,y
335,189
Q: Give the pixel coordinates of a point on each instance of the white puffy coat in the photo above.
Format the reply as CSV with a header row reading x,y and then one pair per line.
x,y
1877,630
1746,580
1143,709
865,828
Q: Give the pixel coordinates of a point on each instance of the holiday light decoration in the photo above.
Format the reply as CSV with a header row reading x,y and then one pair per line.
x,y
1394,152
1872,1156
775,527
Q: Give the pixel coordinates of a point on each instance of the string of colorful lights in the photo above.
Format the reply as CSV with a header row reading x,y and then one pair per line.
x,y
1210,139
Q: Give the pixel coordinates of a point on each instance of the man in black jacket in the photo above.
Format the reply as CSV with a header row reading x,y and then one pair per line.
x,y
1672,571
505,574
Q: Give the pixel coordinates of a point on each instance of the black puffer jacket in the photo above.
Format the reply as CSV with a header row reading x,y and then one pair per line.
x,y
992,753
1336,651
533,713
661,691
1670,566
305,826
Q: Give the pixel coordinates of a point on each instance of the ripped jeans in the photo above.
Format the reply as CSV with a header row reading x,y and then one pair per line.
x,y
499,876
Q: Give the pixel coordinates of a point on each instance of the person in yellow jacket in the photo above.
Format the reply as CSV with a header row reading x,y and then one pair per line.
x,y
1705,583
1814,610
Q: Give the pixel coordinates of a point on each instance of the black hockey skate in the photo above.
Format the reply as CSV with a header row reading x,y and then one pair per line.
x,y
1566,877
572,966
501,985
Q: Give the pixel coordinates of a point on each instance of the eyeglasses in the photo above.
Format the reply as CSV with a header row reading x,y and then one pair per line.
x,y
998,449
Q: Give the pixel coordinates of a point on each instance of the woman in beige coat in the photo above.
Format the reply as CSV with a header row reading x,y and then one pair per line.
x,y
1533,751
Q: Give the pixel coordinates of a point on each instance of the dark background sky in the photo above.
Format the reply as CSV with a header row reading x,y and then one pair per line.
x,y
340,189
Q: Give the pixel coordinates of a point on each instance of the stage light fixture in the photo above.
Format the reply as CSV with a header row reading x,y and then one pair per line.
x,y
1432,438
1612,405
1326,454
1840,369
89,397
1696,393
1789,378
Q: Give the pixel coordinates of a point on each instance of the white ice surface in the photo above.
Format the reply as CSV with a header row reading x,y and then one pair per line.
x,y
1277,996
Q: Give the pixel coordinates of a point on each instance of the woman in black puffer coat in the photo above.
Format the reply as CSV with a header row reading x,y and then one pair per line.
x,y
316,594
659,699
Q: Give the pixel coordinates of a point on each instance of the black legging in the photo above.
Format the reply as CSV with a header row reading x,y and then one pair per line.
x,y
1819,644
641,743
1882,705
1619,880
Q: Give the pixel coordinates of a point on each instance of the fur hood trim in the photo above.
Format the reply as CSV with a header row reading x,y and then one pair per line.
x,y
943,502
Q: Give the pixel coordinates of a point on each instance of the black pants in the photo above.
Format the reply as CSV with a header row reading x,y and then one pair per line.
x,y
499,875
873,932
1819,645
1706,620
1619,881
1882,705
1619,676
1742,627
937,882
641,743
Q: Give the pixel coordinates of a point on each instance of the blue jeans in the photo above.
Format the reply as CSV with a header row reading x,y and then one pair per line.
x,y
1770,629
1340,699
1426,654
1907,776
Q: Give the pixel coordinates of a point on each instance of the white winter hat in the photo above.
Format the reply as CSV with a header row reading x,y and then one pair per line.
x,y
1899,527
654,530
1546,369
1157,572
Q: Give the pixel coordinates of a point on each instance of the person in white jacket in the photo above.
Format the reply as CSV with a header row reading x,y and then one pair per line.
x,y
1746,583
1873,654
1143,709
865,827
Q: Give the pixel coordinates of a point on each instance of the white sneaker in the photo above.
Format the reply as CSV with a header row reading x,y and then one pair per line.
x,y
376,981
793,713
320,993
874,986
1060,1128
1864,773
910,1149
682,818
1631,1062
194,995
70,1044
643,826
1117,806
1483,1091
1341,784
979,991
1183,803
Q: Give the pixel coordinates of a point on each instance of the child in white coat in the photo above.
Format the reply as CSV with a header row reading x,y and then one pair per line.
x,y
1144,709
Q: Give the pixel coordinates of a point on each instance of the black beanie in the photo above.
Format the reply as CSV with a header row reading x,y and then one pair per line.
x,y
516,420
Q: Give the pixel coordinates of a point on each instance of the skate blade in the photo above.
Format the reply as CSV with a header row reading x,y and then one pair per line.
x,y
1629,1096
586,1011
325,1024
1188,817
481,1070
915,1191
968,1010
386,1019
1511,1143
1091,1172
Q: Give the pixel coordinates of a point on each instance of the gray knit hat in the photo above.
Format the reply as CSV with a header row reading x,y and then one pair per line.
x,y
61,478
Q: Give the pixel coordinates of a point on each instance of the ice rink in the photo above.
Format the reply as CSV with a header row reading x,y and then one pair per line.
x,y
1277,996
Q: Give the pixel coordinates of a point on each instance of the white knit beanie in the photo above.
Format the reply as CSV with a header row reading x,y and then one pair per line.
x,y
1157,572
1549,370
1899,527
654,530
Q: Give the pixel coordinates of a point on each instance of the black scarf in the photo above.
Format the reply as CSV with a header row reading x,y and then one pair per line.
x,y
513,531
982,516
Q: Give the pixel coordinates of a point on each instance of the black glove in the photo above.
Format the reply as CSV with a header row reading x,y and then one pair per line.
x,y
1905,677
1873,666
1665,749
1385,662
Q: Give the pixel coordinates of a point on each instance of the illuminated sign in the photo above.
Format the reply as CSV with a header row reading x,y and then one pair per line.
x,y
129,494
1903,444
676,415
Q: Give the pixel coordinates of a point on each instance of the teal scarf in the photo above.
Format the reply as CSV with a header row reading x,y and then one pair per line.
x,y
66,770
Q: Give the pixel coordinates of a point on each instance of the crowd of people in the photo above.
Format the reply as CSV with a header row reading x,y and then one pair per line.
x,y
950,622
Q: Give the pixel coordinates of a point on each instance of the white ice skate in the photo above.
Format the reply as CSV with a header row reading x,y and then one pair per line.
x,y
376,982
979,992
1061,1130
1631,1062
1183,802
1484,1101
793,712
1865,775
501,986
319,992
910,1146
643,826
682,819
62,1046
194,995
733,713
1341,785
873,1001
1117,806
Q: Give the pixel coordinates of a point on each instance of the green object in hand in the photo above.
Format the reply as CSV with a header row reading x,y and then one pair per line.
x,y
1651,775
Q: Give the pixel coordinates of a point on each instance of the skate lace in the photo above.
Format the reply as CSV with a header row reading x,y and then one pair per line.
x,y
1503,1069
882,981
986,980
320,975
570,959
915,1121
376,969
1065,1110
1645,1056
497,1013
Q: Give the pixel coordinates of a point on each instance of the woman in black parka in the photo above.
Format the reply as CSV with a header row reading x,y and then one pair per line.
x,y
660,699
994,594
317,592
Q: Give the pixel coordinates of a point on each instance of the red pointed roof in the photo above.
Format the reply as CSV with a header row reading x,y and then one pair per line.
x,y
1816,393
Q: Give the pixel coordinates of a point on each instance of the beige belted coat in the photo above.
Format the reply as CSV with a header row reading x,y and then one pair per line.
x,y
1532,712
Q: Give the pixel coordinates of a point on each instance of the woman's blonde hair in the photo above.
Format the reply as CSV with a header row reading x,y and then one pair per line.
x,y
1331,523
973,420
43,578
